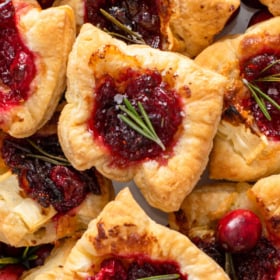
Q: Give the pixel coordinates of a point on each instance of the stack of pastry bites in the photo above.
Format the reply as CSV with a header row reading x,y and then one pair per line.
x,y
131,112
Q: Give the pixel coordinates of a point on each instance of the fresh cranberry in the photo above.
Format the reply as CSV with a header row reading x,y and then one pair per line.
x,y
251,69
239,231
17,66
259,16
140,16
11,272
161,103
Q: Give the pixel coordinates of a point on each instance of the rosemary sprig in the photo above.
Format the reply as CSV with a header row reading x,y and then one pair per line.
x,y
270,65
229,266
255,90
161,277
136,37
270,78
140,123
27,256
259,95
57,160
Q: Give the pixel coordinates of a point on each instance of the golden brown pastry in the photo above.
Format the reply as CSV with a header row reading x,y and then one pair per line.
x,y
32,77
206,205
26,223
182,101
124,233
273,6
247,145
265,194
182,26
43,198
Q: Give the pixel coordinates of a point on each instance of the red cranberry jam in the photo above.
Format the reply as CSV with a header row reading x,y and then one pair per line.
x,y
119,269
44,177
257,67
17,67
260,263
140,16
160,102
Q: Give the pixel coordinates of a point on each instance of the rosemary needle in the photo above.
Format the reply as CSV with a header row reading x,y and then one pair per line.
x,y
258,94
140,124
57,160
254,90
122,26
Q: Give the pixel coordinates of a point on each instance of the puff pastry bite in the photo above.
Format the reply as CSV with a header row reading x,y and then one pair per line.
x,y
43,198
34,49
246,147
182,26
200,214
126,242
107,78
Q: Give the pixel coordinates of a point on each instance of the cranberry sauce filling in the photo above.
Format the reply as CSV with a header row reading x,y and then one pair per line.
x,y
44,180
263,262
140,16
17,68
253,69
119,269
260,263
160,102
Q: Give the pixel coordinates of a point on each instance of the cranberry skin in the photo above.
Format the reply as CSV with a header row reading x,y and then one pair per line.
x,y
239,231
11,272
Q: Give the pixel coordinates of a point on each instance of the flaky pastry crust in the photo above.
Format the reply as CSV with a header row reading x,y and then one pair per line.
x,y
163,185
49,35
123,229
241,152
186,26
25,223
265,194
206,205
